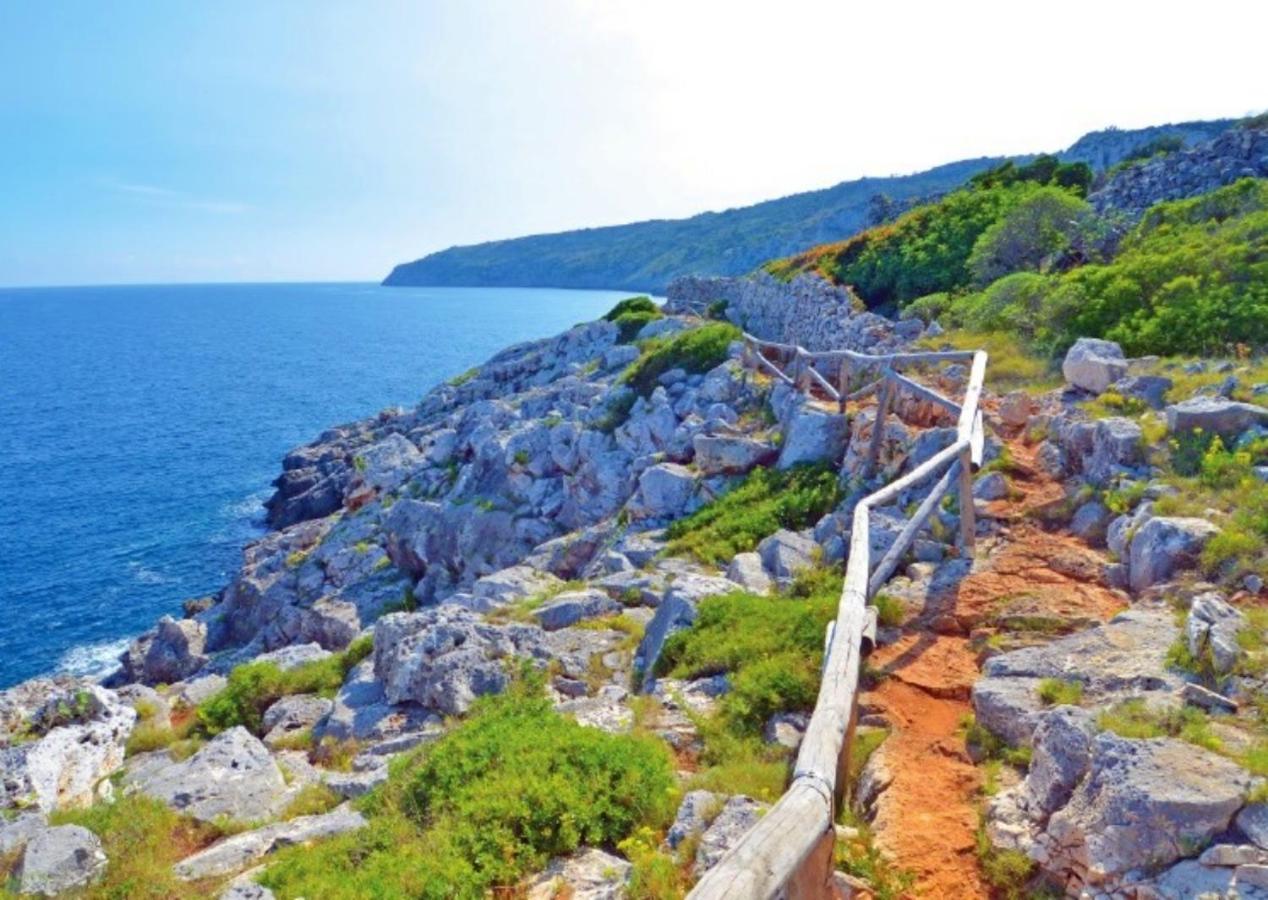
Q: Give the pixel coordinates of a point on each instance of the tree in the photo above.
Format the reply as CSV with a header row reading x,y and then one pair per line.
x,y
1032,236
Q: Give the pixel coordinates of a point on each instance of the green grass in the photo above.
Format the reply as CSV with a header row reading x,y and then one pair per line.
x,y
764,502
890,611
771,648
512,786
254,687
142,839
1011,365
695,351
990,746
1008,872
1134,719
1058,692
859,856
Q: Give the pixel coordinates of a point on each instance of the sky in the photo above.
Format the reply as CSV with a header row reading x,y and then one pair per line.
x,y
309,141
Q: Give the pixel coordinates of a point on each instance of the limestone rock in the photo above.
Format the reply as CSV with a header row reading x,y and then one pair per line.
x,y
665,491
1212,627
738,815
813,436
695,812
1116,447
172,652
79,731
730,454
444,657
233,777
1016,408
242,850
588,874
746,570
786,553
1151,389
1227,418
1093,364
676,612
992,486
60,859
572,607
291,715
15,832
1165,545
515,583
1143,803
1091,522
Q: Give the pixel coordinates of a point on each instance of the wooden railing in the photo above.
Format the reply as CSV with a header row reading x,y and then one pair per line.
x,y
789,852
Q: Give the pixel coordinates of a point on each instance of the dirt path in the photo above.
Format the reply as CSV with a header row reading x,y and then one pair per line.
x,y
926,820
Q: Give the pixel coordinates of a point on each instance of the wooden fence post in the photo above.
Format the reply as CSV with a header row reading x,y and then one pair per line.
x,y
968,516
878,427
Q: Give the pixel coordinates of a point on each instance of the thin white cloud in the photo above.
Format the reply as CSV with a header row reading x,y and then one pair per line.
x,y
174,199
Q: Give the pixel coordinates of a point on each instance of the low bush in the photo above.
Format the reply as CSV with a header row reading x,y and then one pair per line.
x,y
631,315
1057,692
1135,719
512,786
695,351
254,687
765,501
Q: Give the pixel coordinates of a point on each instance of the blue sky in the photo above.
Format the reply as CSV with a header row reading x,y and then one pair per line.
x,y
152,142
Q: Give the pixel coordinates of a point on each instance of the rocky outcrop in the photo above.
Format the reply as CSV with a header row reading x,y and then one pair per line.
x,y
1227,418
1164,546
60,859
588,874
807,311
233,854
233,777
1093,365
64,737
1236,153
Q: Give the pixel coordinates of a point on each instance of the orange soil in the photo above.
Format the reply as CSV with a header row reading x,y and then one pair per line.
x,y
927,818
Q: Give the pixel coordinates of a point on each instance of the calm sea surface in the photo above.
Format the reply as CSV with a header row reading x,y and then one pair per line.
x,y
140,428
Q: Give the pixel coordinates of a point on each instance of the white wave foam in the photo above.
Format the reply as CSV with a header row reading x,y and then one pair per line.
x,y
144,574
93,660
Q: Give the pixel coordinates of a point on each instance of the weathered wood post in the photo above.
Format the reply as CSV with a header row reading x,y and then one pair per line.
x,y
968,516
878,427
843,383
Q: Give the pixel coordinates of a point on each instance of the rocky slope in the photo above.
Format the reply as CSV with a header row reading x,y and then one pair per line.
x,y
517,516
647,256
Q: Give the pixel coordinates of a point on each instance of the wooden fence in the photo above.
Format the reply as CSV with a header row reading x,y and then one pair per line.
x,y
789,852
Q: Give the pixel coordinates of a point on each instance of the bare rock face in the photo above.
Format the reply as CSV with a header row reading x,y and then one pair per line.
x,y
738,815
730,454
71,734
1093,364
813,436
241,850
588,874
1142,803
291,715
1125,657
171,652
1165,545
60,859
232,777
1227,418
1212,629
786,553
444,657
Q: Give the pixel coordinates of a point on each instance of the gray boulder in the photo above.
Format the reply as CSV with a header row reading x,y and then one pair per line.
x,y
572,607
730,454
676,611
813,436
514,583
1212,628
665,491
695,812
172,652
1062,753
738,815
1165,545
291,715
746,570
1116,447
232,777
1093,364
786,553
80,731
1252,821
60,859
242,850
388,464
1016,408
587,874
992,486
444,657
1150,389
362,712
15,832
1143,803
1091,522
1227,418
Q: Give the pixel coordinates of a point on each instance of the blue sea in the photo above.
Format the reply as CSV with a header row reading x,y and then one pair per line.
x,y
140,428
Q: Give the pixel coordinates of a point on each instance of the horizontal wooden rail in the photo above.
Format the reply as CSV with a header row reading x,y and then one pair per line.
x,y
788,853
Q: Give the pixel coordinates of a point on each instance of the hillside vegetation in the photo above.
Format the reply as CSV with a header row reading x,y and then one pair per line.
x,y
1020,251
646,256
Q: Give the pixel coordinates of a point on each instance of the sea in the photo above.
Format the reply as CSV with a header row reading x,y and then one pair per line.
x,y
141,426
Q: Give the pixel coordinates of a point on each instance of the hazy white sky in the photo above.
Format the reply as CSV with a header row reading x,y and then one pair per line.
x,y
308,140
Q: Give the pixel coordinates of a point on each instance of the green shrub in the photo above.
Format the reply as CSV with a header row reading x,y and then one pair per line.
x,y
890,611
630,315
631,305
1032,236
765,501
695,351
1134,719
512,786
254,687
